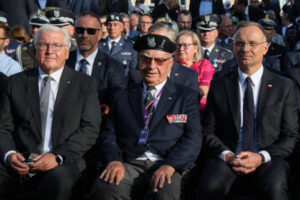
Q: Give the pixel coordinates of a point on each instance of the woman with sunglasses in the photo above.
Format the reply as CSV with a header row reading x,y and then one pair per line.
x,y
188,53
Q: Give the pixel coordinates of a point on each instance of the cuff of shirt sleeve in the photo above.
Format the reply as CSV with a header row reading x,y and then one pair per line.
x,y
223,154
266,155
7,153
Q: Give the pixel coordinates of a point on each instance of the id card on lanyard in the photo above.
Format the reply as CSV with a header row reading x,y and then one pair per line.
x,y
148,115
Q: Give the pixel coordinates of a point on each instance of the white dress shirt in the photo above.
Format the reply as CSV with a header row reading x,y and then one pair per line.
x,y
209,49
256,82
148,155
110,40
54,83
90,59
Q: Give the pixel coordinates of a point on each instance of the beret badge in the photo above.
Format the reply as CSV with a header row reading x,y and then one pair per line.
x,y
151,42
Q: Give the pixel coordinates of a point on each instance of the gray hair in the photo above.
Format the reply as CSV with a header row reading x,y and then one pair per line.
x,y
124,15
49,28
244,24
161,26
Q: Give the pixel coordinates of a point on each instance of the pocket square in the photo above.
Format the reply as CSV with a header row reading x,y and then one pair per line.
x,y
178,118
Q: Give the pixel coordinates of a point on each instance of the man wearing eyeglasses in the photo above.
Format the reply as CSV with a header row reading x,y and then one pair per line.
x,y
8,65
90,60
153,134
116,46
50,118
251,125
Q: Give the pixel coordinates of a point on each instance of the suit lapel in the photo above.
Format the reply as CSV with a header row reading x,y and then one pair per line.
x,y
233,95
264,93
98,62
71,62
34,97
104,47
136,103
165,102
65,86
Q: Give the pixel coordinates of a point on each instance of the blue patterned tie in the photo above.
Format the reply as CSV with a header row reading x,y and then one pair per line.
x,y
248,143
83,66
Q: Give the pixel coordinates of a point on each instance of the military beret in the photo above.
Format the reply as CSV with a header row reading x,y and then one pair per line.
x,y
155,42
3,17
60,17
267,22
114,17
208,22
38,18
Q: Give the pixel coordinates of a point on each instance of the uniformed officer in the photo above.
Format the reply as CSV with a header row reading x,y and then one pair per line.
x,y
13,44
25,52
207,30
63,19
116,46
275,50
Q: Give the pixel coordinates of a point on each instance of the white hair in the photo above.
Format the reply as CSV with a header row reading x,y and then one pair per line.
x,y
49,28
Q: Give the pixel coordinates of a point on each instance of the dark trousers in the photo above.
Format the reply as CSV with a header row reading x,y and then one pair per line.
x,y
268,182
55,184
137,184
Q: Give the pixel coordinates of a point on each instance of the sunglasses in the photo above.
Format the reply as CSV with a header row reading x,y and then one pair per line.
x,y
158,61
90,31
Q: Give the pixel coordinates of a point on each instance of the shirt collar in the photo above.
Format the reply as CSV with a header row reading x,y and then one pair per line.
x,y
255,77
90,58
117,40
209,49
157,87
55,75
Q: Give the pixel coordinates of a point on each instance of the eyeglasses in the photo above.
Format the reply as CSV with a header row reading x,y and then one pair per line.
x,y
185,46
251,44
44,46
90,31
158,61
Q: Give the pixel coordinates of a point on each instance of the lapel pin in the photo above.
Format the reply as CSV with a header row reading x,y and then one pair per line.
x,y
99,63
270,85
169,98
104,44
176,74
68,82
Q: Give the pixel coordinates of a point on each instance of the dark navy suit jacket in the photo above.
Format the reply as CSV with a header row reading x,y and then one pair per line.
x,y
177,143
108,73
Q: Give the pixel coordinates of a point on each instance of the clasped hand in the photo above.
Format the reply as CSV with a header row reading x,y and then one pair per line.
x,y
43,162
244,163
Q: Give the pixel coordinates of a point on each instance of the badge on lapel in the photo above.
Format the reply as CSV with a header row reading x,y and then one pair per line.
x,y
179,118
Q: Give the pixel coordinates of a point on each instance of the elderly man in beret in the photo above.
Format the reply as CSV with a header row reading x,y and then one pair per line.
x,y
153,134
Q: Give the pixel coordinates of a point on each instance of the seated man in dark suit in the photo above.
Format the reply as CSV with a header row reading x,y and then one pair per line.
x,y
251,125
89,59
49,117
153,134
179,73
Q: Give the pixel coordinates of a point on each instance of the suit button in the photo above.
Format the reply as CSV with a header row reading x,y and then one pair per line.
x,y
148,144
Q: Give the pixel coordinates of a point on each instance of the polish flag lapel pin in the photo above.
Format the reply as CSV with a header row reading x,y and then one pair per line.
x,y
270,85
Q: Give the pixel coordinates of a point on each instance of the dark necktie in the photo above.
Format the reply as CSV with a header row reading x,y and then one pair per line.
x,y
248,143
113,45
206,54
149,98
83,66
44,103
